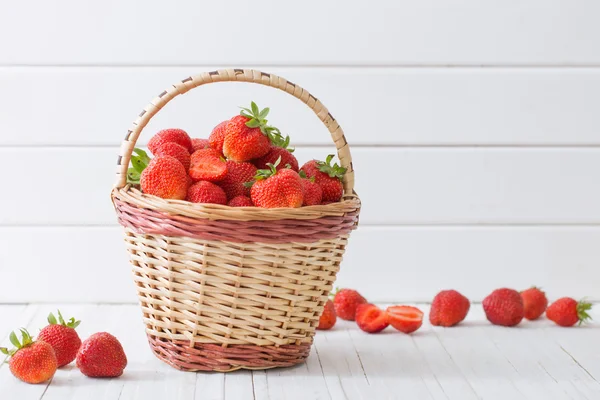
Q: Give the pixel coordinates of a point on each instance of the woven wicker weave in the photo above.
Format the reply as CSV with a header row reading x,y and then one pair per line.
x,y
225,288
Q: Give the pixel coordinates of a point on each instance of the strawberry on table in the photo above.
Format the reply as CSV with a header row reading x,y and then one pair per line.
x,y
207,165
313,194
165,177
101,355
371,318
240,201
198,144
217,136
346,301
504,307
206,192
176,151
328,318
238,174
275,189
63,338
567,312
448,308
406,319
328,176
178,136
31,362
535,303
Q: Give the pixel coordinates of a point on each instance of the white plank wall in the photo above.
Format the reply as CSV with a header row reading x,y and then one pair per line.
x,y
474,127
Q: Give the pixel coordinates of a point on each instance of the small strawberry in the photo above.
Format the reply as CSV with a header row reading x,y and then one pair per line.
x,y
535,303
448,308
165,177
406,319
207,165
247,136
346,301
178,136
217,136
504,307
176,151
101,355
31,362
567,312
62,337
313,194
328,318
274,189
238,174
206,192
328,176
198,144
280,148
240,201
371,318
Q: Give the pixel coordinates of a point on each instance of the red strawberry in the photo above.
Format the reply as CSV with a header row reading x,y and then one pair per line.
x,y
206,192
535,303
371,318
62,337
504,307
274,189
178,136
240,201
31,362
328,176
217,136
165,177
346,301
207,165
287,158
198,144
101,355
406,319
313,194
247,136
238,174
448,308
567,312
328,318
176,151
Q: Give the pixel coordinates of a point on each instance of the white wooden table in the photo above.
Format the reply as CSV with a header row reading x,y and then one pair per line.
x,y
474,361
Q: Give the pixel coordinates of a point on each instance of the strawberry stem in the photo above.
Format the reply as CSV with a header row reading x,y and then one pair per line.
x,y
334,171
258,119
71,323
582,311
266,173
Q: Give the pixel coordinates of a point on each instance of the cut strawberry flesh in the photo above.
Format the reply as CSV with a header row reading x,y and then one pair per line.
x,y
208,168
371,318
406,319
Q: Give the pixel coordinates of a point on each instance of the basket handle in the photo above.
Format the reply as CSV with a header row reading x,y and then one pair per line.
x,y
242,75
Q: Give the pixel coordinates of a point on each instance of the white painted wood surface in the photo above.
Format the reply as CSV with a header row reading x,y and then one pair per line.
x,y
476,360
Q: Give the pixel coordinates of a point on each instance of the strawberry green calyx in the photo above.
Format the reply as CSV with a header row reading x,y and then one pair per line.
x,y
258,119
72,323
27,340
303,176
334,171
582,311
139,162
266,173
282,142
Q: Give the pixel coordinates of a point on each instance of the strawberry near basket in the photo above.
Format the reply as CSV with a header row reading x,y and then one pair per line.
x,y
224,288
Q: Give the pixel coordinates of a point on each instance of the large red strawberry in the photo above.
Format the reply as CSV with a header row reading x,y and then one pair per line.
x,y
101,355
275,189
63,338
217,136
504,307
567,312
448,308
207,165
238,175
240,201
178,136
206,192
31,362
535,303
247,136
198,144
406,319
176,151
328,176
346,301
279,149
313,194
371,318
328,318
165,177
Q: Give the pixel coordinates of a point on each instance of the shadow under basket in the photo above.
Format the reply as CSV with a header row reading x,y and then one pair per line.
x,y
223,288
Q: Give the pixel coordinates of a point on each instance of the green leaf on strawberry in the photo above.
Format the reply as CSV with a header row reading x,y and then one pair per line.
x,y
334,171
257,119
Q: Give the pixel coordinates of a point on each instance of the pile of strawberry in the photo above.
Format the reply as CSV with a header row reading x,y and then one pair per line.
x,y
505,307
244,163
57,345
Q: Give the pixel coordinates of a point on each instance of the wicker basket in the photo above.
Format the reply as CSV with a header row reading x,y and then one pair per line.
x,y
225,288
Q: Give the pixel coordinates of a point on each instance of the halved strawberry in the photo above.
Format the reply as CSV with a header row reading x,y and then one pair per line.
x,y
207,165
371,318
406,319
